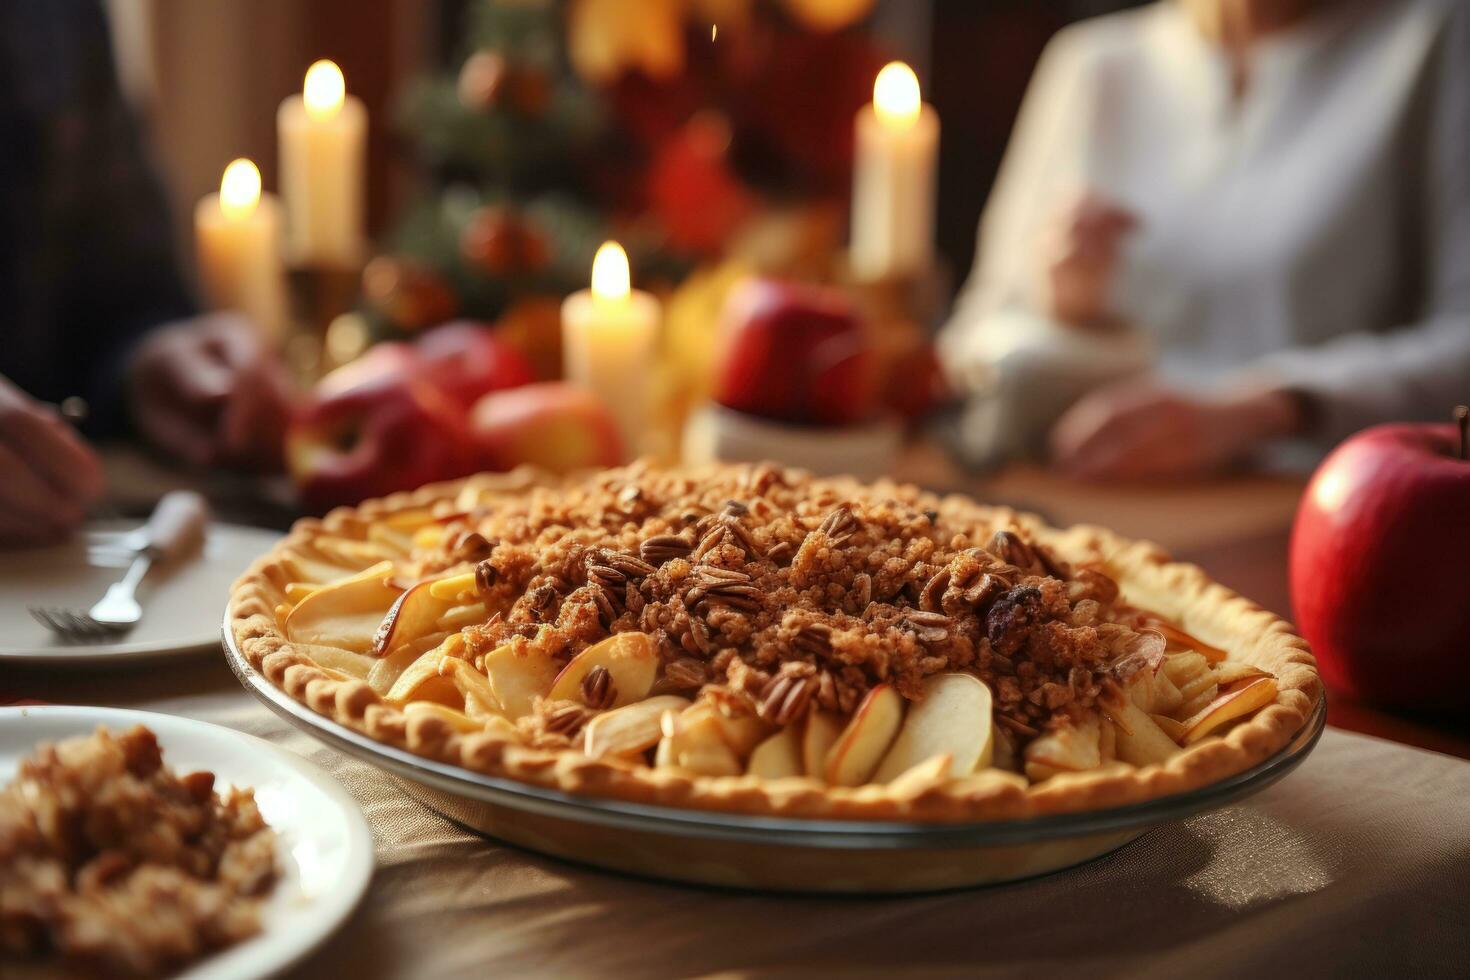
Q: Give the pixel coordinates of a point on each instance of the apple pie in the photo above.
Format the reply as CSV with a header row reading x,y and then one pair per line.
x,y
757,640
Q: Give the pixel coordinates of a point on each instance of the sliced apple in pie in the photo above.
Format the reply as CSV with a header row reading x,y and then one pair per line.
x,y
347,613
778,756
626,663
519,678
951,717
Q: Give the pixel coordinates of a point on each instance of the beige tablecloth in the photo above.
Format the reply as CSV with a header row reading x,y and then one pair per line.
x,y
1357,864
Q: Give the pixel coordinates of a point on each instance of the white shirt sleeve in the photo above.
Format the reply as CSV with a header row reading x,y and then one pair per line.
x,y
1041,164
1421,370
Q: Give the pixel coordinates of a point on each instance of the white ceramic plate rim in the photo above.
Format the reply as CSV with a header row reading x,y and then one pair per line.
x,y
129,651
294,925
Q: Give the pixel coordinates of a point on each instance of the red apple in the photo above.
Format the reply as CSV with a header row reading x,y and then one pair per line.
x,y
554,425
389,359
795,353
916,384
466,360
1380,567
389,433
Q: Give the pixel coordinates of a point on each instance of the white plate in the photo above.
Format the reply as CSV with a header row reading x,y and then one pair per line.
x,y
324,848
182,602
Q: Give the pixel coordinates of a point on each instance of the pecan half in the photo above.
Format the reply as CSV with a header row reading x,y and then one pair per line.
x,y
742,535
931,599
1009,548
607,610
685,673
598,690
711,541
665,547
814,639
928,627
985,588
565,719
838,526
785,698
735,595
629,565
713,573
698,640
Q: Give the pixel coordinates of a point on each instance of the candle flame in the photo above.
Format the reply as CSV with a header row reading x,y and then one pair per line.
x,y
610,276
896,94
239,189
324,90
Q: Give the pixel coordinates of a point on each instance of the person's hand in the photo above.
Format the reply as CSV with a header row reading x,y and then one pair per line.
x,y
1141,430
208,391
48,475
1080,258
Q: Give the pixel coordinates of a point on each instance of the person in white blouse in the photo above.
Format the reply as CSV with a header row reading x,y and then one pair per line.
x,y
1275,192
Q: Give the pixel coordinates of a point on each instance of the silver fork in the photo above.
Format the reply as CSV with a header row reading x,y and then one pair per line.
x,y
175,528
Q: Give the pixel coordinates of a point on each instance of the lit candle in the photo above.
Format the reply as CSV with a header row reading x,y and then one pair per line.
x,y
609,333
237,235
322,134
893,178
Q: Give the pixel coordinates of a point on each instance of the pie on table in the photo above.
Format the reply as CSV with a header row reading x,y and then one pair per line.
x,y
753,639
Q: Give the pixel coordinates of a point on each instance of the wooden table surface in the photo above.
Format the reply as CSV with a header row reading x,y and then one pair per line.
x,y
1236,528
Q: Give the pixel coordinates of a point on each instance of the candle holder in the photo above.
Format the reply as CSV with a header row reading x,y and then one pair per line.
x,y
917,297
319,293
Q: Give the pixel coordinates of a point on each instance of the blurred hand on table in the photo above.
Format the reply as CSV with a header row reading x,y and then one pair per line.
x,y
1144,430
209,392
49,476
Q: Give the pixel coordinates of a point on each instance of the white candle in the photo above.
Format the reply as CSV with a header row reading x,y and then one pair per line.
x,y
894,164
322,134
237,235
609,334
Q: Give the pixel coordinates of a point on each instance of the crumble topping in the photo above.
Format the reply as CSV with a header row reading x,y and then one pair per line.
x,y
771,592
115,865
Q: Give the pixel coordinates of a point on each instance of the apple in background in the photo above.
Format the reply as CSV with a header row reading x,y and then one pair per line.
x,y
389,359
916,384
1380,566
466,360
463,360
553,424
796,353
388,433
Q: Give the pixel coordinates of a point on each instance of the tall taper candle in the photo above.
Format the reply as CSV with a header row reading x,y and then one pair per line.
x,y
323,134
895,159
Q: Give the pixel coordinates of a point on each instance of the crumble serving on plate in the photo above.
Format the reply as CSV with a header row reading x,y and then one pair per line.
x,y
112,864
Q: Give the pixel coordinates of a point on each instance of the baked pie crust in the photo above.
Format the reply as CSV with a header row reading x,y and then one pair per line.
x,y
927,658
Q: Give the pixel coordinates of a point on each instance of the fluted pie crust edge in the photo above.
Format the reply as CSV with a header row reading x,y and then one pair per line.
x,y
1148,578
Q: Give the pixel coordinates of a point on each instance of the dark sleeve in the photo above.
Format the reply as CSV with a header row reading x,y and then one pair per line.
x,y
125,277
93,257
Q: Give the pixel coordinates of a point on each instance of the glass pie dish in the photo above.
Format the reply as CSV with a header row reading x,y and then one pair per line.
x,y
770,853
